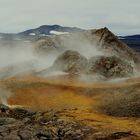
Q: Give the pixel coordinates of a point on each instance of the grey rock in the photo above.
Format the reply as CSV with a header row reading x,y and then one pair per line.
x,y
1,137
25,134
12,137
71,62
40,126
109,67
5,121
4,129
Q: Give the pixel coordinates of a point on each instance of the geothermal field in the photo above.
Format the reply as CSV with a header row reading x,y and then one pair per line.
x,y
78,85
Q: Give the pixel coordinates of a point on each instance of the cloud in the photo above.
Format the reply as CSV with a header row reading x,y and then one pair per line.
x,y
122,17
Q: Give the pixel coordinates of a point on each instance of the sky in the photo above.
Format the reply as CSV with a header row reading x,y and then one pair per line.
x,y
120,16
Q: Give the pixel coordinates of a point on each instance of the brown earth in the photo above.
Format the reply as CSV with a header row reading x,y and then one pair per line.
x,y
75,99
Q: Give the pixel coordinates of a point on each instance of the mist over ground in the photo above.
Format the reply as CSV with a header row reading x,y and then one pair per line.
x,y
23,58
4,96
19,58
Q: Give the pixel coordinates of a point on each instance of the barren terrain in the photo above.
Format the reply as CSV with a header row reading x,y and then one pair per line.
x,y
74,99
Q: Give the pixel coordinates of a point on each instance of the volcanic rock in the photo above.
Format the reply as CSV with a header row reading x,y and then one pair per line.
x,y
109,67
103,39
40,125
110,43
71,62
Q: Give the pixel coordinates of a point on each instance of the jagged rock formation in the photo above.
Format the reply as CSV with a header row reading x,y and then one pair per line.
x,y
109,42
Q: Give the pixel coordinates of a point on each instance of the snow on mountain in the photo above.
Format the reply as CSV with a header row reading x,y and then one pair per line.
x,y
48,30
57,33
32,34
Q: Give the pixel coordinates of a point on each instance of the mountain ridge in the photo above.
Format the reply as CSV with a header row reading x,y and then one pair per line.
x,y
45,29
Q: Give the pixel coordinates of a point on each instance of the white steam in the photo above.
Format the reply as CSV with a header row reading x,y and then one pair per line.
x,y
18,58
13,55
4,96
81,44
22,59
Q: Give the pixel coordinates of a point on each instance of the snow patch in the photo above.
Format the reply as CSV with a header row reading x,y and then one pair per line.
x,y
58,33
32,34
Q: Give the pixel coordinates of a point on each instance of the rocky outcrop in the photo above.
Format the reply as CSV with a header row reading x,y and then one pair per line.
x,y
111,44
44,45
103,39
109,67
119,135
23,124
115,60
71,62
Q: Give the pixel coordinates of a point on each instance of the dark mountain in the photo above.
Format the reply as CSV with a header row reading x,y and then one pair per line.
x,y
39,32
46,30
131,37
132,41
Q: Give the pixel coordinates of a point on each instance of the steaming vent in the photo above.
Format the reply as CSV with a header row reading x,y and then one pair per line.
x,y
91,53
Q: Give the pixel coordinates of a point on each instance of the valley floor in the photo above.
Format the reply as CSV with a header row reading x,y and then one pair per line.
x,y
75,101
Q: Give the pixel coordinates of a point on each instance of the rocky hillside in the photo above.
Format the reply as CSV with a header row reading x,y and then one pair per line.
x,y
111,42
78,51
108,67
101,39
23,124
91,52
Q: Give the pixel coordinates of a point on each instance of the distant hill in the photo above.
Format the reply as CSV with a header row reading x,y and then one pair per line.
x,y
49,30
133,41
40,32
46,30
132,37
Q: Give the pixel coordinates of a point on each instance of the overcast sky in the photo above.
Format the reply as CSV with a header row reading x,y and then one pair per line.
x,y
120,16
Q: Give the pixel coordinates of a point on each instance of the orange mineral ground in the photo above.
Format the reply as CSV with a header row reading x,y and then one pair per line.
x,y
76,99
